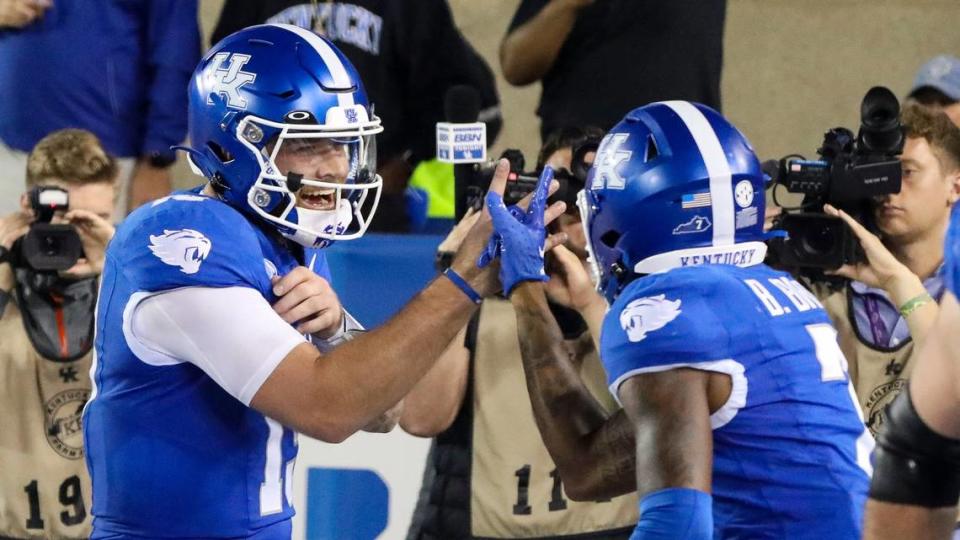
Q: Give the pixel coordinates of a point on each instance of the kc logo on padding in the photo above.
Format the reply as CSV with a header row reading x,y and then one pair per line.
x,y
227,78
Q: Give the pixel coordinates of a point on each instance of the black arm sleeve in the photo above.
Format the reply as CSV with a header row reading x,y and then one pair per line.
x,y
913,464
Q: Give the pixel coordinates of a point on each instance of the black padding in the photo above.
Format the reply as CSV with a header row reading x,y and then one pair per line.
x,y
913,464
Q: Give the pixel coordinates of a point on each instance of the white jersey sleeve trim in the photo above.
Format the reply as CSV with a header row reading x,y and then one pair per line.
x,y
727,412
231,333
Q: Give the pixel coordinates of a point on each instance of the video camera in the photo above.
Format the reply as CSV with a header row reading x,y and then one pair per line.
x,y
47,247
851,172
520,183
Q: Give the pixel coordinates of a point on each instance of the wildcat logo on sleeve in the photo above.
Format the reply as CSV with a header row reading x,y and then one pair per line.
x,y
646,315
185,248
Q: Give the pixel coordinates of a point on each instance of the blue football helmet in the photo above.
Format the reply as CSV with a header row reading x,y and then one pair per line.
x,y
279,90
673,184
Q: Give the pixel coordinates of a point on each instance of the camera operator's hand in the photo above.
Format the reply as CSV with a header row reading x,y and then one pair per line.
x,y
13,227
453,240
95,233
882,270
770,213
570,284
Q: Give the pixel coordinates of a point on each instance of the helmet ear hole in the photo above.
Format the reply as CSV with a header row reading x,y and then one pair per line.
x,y
652,152
220,152
610,238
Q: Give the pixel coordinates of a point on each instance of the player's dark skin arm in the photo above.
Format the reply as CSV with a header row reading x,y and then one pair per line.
x,y
597,454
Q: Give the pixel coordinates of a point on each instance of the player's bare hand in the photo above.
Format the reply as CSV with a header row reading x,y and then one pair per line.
x,y
882,269
308,302
570,284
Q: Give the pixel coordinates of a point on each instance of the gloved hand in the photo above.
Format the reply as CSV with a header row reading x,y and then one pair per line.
x,y
518,237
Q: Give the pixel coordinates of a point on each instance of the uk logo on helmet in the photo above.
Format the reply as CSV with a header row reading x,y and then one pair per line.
x,y
609,158
227,81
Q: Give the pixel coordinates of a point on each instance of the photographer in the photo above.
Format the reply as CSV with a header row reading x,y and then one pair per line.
x,y
489,473
46,333
891,300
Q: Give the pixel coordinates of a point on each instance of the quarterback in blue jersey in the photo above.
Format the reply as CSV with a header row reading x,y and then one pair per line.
x,y
738,418
215,328
916,485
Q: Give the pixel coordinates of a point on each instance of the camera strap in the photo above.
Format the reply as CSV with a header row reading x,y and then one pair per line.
x,y
58,315
881,334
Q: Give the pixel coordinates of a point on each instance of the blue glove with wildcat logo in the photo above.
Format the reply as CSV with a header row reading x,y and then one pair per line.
x,y
518,237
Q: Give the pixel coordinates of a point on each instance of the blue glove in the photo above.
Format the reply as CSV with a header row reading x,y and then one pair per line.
x,y
518,237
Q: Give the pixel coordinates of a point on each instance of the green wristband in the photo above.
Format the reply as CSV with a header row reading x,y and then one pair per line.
x,y
914,304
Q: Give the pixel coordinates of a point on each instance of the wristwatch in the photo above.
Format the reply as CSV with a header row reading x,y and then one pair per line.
x,y
161,160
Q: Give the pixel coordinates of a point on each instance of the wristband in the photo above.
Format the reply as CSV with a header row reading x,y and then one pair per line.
x,y
914,304
473,295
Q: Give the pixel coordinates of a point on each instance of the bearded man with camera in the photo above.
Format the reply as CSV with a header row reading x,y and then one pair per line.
x,y
51,255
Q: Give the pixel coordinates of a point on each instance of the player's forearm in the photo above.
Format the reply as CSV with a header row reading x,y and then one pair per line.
x,y
594,452
365,377
530,50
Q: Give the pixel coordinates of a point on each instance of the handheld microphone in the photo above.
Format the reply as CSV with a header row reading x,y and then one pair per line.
x,y
461,140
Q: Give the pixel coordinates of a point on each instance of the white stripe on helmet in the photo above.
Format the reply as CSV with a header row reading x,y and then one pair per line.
x,y
718,169
337,70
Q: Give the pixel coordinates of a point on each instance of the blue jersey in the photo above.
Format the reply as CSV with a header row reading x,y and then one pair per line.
x,y
790,450
951,253
171,454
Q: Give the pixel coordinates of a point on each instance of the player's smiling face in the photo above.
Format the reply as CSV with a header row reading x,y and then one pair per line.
x,y
315,159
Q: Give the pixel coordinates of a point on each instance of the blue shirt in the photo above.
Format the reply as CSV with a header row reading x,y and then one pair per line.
x,y
118,68
790,450
951,256
170,453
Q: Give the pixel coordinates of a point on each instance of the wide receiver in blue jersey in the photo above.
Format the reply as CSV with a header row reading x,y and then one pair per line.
x,y
738,418
214,337
917,481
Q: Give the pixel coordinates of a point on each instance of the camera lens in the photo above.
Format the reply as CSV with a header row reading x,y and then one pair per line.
x,y
819,241
50,245
880,121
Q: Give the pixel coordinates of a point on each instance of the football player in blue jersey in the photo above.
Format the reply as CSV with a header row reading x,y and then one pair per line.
x,y
916,484
738,416
213,333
